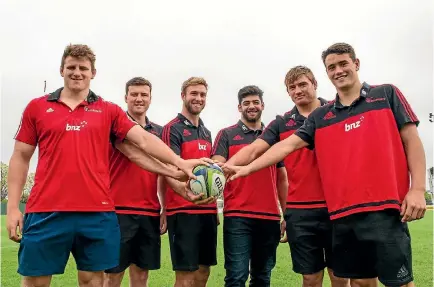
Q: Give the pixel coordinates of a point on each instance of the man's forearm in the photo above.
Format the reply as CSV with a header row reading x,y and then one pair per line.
x,y
153,146
161,190
17,176
282,187
143,160
416,163
277,153
176,185
247,154
282,192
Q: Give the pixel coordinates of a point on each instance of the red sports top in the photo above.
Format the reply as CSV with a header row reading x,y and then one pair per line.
x,y
73,166
133,189
304,188
254,196
360,154
188,141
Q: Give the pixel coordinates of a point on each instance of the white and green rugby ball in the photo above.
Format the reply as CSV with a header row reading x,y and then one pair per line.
x,y
210,180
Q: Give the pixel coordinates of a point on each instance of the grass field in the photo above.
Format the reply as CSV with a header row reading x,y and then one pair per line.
x,y
422,239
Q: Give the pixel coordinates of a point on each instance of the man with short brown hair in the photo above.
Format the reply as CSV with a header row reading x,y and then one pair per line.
x,y
137,194
70,209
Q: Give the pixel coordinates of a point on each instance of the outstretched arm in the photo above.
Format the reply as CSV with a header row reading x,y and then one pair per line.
x,y
153,146
303,137
124,128
275,154
249,153
147,162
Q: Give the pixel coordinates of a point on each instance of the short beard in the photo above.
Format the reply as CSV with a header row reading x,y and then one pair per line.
x,y
252,120
190,110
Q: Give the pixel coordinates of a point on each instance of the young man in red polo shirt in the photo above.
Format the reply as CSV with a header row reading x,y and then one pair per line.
x,y
367,148
70,208
137,195
251,228
192,228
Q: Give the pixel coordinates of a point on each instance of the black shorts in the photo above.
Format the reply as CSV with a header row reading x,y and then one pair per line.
x,y
193,240
309,233
140,242
373,244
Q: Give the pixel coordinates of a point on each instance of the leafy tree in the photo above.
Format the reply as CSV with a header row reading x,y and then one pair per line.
x,y
4,184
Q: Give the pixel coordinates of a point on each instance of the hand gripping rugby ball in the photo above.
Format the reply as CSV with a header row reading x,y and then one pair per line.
x,y
210,180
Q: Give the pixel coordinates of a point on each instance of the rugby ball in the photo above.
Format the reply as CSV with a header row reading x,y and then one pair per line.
x,y
210,180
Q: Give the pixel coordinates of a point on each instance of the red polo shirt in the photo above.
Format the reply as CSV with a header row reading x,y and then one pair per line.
x,y
359,150
254,196
187,141
133,189
73,166
304,188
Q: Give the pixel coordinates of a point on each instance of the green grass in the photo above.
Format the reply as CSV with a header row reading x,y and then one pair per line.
x,y
422,240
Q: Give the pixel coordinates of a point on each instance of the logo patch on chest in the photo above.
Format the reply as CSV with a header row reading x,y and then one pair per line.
x,y
202,146
75,127
355,125
186,133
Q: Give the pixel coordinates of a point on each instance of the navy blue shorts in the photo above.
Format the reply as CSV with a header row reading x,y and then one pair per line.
x,y
93,238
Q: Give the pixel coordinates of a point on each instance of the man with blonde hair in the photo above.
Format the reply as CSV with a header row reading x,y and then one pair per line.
x,y
192,227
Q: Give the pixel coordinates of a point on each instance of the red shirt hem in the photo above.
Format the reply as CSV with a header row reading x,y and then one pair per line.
x,y
306,206
190,211
135,212
269,217
365,209
70,209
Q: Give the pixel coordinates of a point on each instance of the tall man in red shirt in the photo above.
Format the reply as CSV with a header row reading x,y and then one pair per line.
x,y
367,147
192,228
70,208
137,204
251,229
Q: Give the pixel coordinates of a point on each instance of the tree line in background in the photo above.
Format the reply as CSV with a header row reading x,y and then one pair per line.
x,y
31,180
4,184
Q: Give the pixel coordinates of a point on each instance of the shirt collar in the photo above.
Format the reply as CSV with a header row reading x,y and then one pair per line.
x,y
148,124
55,96
295,114
187,122
364,91
246,129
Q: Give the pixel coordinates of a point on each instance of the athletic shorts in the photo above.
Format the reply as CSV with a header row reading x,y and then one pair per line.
x,y
140,242
373,244
49,238
193,240
309,233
